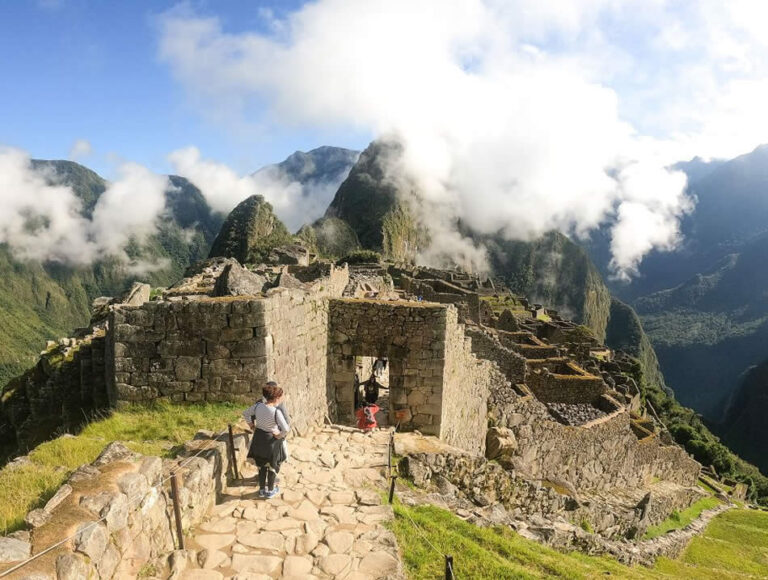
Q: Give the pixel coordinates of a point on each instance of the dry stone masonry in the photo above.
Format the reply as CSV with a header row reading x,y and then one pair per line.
x,y
539,416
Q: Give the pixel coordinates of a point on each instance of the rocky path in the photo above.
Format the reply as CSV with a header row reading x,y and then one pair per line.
x,y
325,523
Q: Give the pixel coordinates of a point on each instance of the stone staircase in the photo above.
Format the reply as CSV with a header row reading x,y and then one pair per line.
x,y
327,522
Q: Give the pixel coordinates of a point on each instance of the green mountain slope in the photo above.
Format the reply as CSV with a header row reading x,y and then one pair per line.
x,y
371,202
744,427
40,302
712,327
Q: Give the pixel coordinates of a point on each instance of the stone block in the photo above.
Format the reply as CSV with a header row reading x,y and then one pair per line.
x,y
134,485
254,369
237,387
13,550
214,351
91,539
63,493
72,567
416,398
161,365
422,419
235,334
152,469
241,306
254,347
187,368
109,561
190,347
128,333
246,321
139,317
433,429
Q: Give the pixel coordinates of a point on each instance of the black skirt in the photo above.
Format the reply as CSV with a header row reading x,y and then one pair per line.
x,y
266,448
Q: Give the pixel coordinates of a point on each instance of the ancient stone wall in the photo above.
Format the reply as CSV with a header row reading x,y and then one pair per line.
x,y
467,384
118,511
297,356
486,346
489,484
572,388
603,455
61,391
226,349
411,335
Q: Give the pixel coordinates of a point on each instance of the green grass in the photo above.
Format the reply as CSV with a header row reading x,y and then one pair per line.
x,y
488,552
735,545
678,520
500,303
150,430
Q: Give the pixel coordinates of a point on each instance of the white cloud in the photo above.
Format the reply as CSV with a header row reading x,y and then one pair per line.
x,y
294,203
505,108
128,208
80,148
42,220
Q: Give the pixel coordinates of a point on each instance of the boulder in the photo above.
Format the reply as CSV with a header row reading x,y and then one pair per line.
x,y
137,295
13,550
115,451
289,254
238,281
500,443
37,518
72,567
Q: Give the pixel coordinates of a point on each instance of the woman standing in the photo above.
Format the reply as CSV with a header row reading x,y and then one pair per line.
x,y
269,429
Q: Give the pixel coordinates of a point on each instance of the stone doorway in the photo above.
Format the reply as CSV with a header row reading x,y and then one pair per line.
x,y
411,336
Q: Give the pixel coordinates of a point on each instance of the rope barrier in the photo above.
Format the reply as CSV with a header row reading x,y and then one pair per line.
x,y
131,503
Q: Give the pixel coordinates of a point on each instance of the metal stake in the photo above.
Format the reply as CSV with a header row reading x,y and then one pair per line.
x,y
449,568
393,479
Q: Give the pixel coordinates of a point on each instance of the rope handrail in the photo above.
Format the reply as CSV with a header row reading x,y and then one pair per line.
x,y
131,503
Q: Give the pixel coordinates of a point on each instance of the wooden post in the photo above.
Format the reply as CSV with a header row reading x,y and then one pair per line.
x,y
393,478
389,457
449,568
177,509
233,454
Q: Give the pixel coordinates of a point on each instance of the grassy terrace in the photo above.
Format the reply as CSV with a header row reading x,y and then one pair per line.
x,y
503,302
150,430
735,545
678,520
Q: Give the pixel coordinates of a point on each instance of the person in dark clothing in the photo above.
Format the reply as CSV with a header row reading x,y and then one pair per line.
x,y
371,390
269,429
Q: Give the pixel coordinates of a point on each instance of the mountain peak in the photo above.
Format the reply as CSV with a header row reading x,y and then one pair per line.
x,y
250,231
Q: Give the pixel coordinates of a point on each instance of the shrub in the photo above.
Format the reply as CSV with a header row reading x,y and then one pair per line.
x,y
361,257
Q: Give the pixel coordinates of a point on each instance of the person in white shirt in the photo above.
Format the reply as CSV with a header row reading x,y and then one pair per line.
x,y
270,427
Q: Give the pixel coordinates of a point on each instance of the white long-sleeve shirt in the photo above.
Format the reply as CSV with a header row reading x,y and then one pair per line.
x,y
268,418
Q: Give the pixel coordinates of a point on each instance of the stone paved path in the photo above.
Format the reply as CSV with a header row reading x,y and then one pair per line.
x,y
326,522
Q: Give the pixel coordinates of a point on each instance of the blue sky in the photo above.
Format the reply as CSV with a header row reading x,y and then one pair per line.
x,y
77,69
519,116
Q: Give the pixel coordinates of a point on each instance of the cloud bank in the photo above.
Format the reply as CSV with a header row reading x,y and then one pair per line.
x,y
502,109
43,219
294,203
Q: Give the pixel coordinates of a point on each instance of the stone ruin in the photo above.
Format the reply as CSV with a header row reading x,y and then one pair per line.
x,y
531,412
